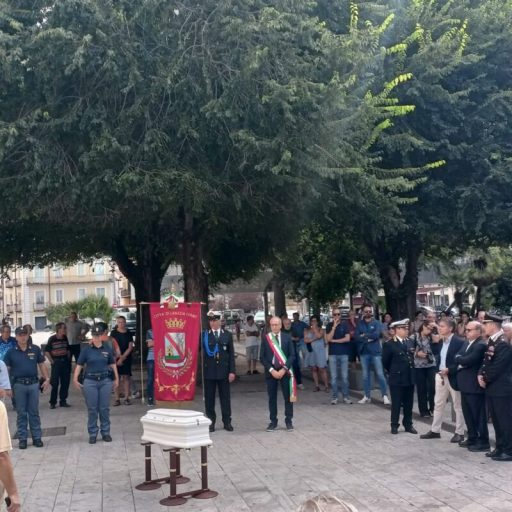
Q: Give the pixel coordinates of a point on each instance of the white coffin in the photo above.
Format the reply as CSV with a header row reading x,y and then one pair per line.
x,y
176,428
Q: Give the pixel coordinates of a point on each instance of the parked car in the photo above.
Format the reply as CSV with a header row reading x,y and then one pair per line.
x,y
130,313
259,319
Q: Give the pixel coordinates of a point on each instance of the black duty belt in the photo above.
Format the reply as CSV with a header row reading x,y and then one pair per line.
x,y
96,376
26,380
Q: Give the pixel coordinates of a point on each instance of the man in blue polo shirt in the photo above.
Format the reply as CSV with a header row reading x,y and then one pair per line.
x,y
367,336
6,341
23,362
340,350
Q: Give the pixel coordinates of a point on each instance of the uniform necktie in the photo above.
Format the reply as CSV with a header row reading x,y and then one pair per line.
x,y
216,334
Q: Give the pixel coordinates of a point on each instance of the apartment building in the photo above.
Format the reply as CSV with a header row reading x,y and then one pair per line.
x,y
26,293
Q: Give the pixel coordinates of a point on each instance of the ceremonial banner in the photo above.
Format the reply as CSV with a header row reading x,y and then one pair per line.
x,y
176,328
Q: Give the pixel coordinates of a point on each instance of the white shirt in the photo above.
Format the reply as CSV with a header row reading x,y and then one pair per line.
x,y
4,377
496,335
252,339
444,352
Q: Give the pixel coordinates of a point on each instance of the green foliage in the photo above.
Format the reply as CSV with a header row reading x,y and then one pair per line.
x,y
90,307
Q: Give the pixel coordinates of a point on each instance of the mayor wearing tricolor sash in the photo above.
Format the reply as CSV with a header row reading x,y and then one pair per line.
x,y
277,355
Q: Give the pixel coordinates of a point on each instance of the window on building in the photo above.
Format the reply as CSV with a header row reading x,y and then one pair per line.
x,y
81,293
38,273
59,296
80,269
99,268
100,292
57,271
39,297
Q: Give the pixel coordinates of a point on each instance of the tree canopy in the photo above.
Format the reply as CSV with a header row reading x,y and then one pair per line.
x,y
219,134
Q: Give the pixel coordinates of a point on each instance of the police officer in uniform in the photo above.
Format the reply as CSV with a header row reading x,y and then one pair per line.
x,y
398,361
218,370
24,361
495,376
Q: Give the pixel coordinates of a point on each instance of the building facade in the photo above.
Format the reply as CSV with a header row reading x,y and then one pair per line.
x,y
26,293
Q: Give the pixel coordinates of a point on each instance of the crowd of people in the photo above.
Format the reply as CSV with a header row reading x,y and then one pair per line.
x,y
466,361
102,365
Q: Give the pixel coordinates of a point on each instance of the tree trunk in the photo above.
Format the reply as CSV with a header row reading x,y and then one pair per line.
x,y
477,305
145,273
400,293
265,300
195,278
279,297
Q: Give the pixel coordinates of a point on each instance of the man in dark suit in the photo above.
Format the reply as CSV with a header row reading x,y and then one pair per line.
x,y
495,376
277,355
446,382
218,370
469,360
397,360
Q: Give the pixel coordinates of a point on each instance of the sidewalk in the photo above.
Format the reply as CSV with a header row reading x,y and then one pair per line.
x,y
342,449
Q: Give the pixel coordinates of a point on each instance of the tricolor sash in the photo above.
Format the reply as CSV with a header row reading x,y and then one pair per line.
x,y
281,358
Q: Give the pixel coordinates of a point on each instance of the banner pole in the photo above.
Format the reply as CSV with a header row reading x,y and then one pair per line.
x,y
201,348
142,397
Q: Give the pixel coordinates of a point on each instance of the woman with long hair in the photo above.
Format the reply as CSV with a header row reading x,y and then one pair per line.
x,y
317,358
425,367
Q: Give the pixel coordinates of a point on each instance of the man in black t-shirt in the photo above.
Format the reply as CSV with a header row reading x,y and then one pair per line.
x,y
59,354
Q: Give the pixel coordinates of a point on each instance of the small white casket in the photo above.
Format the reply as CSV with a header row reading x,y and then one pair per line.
x,y
176,428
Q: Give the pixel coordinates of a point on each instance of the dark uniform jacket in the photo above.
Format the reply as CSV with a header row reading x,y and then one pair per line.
x,y
454,348
497,368
267,356
469,361
398,361
222,364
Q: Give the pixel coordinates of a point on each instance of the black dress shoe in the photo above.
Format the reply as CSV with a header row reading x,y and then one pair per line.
x,y
22,445
478,448
503,457
272,427
466,444
228,427
394,430
289,426
92,440
411,430
457,438
38,443
106,438
494,453
212,428
65,404
52,406
431,435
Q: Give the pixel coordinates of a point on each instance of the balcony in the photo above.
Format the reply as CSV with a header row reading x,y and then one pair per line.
x,y
125,293
37,280
40,306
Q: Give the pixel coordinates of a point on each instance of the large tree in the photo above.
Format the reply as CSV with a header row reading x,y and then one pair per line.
x,y
154,132
456,54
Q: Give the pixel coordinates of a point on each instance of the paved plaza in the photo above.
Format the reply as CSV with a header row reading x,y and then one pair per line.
x,y
344,449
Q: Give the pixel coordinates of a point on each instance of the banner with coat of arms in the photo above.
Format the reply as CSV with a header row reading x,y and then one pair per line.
x,y
176,329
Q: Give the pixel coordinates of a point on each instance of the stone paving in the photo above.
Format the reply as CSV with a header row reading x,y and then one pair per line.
x,y
344,449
